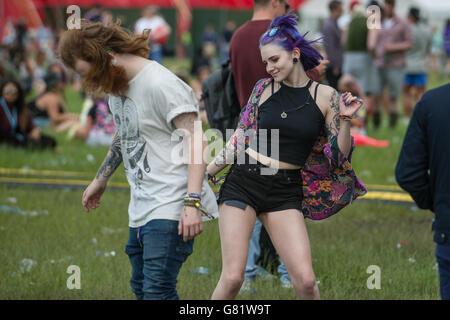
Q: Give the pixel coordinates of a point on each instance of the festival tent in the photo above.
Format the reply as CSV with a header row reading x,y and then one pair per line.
x,y
16,9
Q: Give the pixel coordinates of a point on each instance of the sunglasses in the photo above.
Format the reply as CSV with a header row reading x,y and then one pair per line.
x,y
10,91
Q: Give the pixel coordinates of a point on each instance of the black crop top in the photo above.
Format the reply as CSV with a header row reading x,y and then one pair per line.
x,y
36,112
297,117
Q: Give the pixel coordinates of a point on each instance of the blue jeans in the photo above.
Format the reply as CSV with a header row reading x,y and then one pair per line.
x,y
156,54
156,259
443,260
254,251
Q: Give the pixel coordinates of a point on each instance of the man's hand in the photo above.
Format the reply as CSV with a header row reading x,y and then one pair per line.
x,y
92,195
190,224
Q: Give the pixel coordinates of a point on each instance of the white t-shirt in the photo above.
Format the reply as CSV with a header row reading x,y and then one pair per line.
x,y
388,23
152,23
143,118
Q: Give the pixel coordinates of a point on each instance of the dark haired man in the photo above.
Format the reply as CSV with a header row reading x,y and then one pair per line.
x,y
332,38
395,39
415,80
423,170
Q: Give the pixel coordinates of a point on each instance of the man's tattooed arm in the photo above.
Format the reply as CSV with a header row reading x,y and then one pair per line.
x,y
112,161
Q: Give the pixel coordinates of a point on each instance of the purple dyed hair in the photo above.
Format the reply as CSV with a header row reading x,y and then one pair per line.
x,y
284,31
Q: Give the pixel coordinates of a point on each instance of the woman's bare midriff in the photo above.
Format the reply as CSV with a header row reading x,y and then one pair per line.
x,y
269,162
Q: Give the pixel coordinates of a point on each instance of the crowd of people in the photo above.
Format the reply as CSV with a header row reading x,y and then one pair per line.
x,y
29,59
282,79
34,91
388,55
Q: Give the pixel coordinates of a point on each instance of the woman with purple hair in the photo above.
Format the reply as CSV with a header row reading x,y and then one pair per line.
x,y
294,136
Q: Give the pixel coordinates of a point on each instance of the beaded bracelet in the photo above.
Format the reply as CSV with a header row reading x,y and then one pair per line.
x,y
345,117
194,195
213,179
194,202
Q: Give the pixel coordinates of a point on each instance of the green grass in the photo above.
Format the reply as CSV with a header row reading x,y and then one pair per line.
x,y
343,246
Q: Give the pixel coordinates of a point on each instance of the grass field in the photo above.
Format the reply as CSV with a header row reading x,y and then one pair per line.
x,y
397,239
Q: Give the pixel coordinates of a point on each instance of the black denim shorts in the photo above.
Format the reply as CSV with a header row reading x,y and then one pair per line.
x,y
246,185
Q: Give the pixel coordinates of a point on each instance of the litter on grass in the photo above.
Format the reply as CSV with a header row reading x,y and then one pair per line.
x,y
109,230
33,213
11,200
200,270
105,254
25,266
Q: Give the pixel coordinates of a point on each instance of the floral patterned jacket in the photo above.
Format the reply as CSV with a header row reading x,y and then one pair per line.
x,y
329,182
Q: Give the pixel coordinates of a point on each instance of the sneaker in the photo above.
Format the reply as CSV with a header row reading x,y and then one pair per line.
x,y
246,287
286,283
263,274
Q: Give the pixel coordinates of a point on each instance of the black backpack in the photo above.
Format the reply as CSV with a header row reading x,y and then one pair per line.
x,y
220,99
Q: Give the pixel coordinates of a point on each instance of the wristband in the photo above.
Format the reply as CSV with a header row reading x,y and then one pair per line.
x,y
195,202
345,117
194,195
213,179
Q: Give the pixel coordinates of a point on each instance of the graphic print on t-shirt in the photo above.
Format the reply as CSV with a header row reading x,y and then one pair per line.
x,y
134,147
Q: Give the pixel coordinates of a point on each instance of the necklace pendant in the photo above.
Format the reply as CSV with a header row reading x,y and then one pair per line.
x,y
283,115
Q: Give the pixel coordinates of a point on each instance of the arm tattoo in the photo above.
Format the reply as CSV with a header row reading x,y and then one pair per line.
x,y
225,156
186,121
332,127
220,158
112,160
235,146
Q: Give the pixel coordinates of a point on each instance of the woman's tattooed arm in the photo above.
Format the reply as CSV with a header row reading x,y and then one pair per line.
x,y
332,123
335,127
112,160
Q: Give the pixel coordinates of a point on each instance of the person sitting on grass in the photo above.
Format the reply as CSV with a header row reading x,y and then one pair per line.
x,y
96,125
16,124
49,108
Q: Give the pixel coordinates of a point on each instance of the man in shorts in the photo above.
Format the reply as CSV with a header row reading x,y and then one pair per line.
x,y
395,39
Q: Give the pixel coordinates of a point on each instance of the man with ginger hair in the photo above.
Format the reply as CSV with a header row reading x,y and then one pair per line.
x,y
149,103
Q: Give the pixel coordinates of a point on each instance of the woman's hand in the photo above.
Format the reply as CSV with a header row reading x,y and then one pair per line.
x,y
349,105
